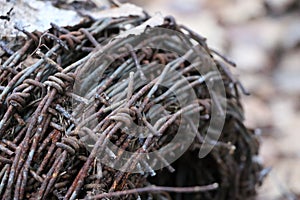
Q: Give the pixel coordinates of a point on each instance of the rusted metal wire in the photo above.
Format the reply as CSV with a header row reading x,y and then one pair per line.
x,y
42,151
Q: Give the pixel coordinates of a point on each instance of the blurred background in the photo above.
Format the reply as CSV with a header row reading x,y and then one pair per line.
x,y
263,38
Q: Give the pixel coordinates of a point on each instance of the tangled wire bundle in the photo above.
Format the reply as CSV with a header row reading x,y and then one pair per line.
x,y
86,114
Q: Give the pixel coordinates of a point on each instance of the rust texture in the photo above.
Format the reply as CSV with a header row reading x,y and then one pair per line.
x,y
42,155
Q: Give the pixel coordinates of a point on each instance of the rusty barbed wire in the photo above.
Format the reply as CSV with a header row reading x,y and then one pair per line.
x,y
42,154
